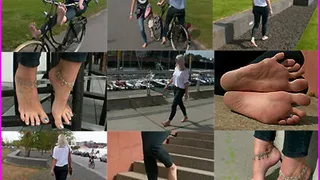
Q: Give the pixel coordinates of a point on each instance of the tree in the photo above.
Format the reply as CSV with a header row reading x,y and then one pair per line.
x,y
26,141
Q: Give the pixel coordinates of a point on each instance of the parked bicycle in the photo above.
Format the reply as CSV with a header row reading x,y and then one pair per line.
x,y
178,34
72,40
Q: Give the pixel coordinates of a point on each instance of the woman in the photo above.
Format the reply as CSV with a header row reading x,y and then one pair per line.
x,y
153,151
176,8
62,78
261,8
180,80
61,159
64,14
141,9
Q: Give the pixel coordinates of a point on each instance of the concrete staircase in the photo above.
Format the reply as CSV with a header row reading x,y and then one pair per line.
x,y
192,152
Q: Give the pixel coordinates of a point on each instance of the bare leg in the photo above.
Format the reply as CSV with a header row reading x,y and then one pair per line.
x,y
172,172
294,167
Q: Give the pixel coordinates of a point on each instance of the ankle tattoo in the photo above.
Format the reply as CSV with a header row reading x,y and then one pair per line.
x,y
28,84
63,81
303,172
262,155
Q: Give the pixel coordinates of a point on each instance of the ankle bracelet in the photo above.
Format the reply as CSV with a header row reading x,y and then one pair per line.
x,y
303,172
29,84
63,81
262,155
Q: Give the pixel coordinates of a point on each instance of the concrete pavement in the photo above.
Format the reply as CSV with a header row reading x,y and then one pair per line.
x,y
100,167
150,118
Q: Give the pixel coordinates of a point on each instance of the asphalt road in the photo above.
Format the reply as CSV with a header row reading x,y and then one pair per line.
x,y
100,168
124,34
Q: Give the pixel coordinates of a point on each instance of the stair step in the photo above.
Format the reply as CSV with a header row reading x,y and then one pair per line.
x,y
197,135
193,162
190,151
192,142
133,176
183,172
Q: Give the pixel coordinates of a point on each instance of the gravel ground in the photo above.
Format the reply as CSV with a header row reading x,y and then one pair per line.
x,y
284,30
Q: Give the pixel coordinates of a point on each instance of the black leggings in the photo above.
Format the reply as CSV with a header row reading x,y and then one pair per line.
x,y
178,95
153,151
259,12
61,173
31,59
296,143
172,11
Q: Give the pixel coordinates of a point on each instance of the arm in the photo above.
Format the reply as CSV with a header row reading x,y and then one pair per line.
x,y
170,82
81,7
131,9
270,6
160,3
186,85
69,160
53,164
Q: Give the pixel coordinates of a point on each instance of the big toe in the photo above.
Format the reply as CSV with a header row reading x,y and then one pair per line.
x,y
300,99
58,121
298,85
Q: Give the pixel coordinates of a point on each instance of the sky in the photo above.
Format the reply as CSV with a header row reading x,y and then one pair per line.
x,y
97,136
208,54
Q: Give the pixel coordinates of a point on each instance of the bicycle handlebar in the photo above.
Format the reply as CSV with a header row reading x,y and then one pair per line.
x,y
57,3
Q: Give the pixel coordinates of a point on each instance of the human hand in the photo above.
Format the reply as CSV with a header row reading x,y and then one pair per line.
x,y
81,7
186,96
52,173
271,12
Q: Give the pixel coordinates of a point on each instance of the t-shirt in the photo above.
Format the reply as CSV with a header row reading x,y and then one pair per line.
x,y
141,7
178,4
61,154
180,78
260,3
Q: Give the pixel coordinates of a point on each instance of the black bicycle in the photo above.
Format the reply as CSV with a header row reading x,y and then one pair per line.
x,y
72,40
177,34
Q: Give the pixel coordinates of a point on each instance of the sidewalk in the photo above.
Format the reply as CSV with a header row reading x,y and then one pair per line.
x,y
150,118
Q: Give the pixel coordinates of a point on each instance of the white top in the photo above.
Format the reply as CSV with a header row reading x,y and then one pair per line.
x,y
179,78
61,154
260,3
178,4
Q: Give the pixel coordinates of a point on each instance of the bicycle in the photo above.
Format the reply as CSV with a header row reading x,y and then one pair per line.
x,y
91,164
177,33
73,38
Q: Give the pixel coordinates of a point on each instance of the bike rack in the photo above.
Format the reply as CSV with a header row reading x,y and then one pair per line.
x,y
77,97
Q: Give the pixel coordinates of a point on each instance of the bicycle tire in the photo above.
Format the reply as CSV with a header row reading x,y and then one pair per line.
x,y
180,29
69,38
157,28
28,46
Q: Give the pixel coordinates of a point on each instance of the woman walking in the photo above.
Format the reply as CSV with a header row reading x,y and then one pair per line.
x,y
142,11
180,80
61,159
261,9
153,151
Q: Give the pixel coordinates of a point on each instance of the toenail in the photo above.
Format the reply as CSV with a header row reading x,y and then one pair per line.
x,y
61,126
27,123
38,123
46,120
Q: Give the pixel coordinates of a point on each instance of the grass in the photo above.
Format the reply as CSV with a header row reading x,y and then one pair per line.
x,y
17,14
198,14
309,38
226,8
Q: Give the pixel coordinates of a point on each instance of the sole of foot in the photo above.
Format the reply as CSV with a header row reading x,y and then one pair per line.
x,y
266,76
268,108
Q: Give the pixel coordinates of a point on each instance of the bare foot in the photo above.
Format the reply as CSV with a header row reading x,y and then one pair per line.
x,y
264,38
144,45
60,108
61,12
294,168
184,119
172,172
253,43
30,108
268,108
265,76
163,41
166,123
35,33
266,156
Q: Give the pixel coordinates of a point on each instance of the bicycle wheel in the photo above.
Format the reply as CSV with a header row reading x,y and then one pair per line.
x,y
179,38
32,46
74,37
155,24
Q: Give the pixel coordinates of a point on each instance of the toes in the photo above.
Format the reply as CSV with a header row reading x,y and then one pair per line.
x,y
32,119
26,120
298,112
37,119
65,118
278,57
300,99
298,85
288,62
296,74
296,119
22,117
294,68
282,122
58,122
44,118
69,116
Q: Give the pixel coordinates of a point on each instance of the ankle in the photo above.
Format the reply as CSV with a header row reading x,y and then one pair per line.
x,y
292,167
261,146
173,167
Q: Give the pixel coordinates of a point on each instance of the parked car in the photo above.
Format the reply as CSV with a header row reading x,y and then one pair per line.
x,y
103,158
